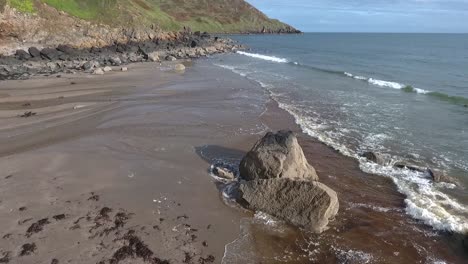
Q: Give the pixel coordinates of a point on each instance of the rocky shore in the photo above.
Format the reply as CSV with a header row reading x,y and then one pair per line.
x,y
31,61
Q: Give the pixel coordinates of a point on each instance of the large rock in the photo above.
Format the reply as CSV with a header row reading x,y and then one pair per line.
x,y
49,53
277,155
22,55
307,204
34,52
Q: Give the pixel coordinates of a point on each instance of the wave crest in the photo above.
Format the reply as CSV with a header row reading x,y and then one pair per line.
x,y
263,57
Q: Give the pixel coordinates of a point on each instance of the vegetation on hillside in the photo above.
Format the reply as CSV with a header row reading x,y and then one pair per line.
x,y
203,15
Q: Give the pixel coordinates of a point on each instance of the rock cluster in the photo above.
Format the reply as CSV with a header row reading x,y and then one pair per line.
x,y
277,179
62,58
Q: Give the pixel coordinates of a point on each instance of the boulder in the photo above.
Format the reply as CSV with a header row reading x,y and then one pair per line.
x,y
89,65
98,71
307,204
124,69
22,55
179,67
50,54
66,49
193,44
34,52
277,155
107,69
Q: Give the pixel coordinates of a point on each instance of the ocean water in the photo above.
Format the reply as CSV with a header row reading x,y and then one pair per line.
x,y
401,95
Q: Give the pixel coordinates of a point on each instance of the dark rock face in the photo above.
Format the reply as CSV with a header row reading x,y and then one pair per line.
x,y
34,52
277,155
22,55
307,204
193,44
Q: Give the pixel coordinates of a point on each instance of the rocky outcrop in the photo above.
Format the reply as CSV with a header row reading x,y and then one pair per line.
x,y
307,204
66,59
277,155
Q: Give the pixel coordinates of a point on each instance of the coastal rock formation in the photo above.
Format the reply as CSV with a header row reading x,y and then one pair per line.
x,y
307,204
277,155
277,179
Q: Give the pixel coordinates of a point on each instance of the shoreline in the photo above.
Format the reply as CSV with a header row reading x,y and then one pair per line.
x,y
155,121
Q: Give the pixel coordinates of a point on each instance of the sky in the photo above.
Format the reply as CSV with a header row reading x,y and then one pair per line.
x,y
444,16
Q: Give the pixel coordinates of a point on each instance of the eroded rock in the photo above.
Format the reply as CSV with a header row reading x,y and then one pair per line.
x,y
277,155
307,204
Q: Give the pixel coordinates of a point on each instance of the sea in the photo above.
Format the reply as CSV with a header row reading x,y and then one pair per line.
x,y
403,96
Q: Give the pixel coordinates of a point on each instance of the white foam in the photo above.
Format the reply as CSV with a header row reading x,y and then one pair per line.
x,y
382,83
424,200
263,57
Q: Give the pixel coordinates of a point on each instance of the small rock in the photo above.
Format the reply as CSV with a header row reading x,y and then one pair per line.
x,y
171,58
224,173
154,56
438,176
98,71
27,249
124,69
107,69
374,157
179,67
116,61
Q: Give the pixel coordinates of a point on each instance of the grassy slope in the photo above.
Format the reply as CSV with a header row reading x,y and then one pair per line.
x,y
204,15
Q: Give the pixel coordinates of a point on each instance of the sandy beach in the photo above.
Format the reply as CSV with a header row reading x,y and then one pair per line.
x,y
115,169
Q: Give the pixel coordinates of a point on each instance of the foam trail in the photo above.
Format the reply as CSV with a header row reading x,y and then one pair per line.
x,y
382,83
263,57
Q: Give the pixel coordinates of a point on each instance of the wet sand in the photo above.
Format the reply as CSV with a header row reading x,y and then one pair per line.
x,y
114,169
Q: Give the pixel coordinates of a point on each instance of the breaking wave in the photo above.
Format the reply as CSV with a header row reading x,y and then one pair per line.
x,y
263,57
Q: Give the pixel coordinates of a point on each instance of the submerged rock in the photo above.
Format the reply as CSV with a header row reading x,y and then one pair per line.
x,y
277,155
404,165
375,157
179,67
438,176
307,204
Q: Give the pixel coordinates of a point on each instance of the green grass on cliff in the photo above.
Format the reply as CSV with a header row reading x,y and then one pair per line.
x,y
203,15
22,5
